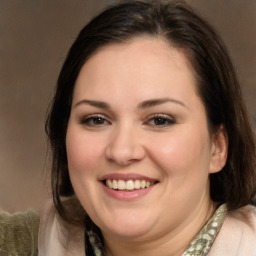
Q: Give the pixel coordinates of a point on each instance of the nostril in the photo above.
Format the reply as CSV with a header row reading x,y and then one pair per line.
x,y
125,150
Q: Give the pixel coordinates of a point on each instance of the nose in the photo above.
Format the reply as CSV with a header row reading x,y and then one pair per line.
x,y
125,146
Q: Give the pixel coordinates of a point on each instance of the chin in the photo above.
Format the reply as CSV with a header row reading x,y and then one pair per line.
x,y
128,232
128,226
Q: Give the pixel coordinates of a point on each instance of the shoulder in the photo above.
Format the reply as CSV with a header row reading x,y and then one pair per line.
x,y
242,223
238,233
57,237
245,217
18,233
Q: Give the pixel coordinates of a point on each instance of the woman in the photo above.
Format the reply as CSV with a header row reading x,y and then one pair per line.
x,y
153,152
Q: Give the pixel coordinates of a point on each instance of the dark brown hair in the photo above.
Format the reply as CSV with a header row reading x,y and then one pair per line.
x,y
217,84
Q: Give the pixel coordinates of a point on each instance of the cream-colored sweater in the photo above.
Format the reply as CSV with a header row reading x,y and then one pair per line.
x,y
237,236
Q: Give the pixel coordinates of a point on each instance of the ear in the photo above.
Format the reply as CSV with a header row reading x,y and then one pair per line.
x,y
219,150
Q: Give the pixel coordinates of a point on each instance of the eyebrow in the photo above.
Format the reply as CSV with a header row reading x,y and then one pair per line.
x,y
142,105
94,103
156,102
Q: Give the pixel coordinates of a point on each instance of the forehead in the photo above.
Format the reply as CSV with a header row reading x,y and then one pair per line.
x,y
145,46
143,63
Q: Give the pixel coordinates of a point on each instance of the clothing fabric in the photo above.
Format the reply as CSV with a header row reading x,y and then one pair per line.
x,y
202,243
58,238
19,233
227,233
237,235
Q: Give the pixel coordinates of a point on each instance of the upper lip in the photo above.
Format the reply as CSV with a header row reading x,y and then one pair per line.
x,y
125,176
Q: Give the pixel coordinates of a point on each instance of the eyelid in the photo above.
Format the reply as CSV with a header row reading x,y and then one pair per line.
x,y
170,119
86,118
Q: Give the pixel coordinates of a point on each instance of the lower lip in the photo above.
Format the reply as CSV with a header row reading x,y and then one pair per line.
x,y
127,195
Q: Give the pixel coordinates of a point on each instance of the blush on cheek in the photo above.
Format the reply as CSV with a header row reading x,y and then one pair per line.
x,y
180,154
81,151
173,153
81,161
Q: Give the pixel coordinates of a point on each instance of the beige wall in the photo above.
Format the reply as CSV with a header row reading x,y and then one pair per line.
x,y
34,39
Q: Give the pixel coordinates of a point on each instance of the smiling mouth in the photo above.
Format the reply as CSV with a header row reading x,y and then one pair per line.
x,y
129,185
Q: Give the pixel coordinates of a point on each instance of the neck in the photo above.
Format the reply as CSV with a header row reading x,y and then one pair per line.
x,y
172,243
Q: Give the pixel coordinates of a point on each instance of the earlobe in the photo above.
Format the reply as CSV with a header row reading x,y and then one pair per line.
x,y
219,150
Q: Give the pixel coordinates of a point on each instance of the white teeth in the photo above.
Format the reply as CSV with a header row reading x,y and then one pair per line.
x,y
128,185
121,185
143,184
114,184
109,184
137,184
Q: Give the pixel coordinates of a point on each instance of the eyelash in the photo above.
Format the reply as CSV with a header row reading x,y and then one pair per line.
x,y
92,119
159,120
163,119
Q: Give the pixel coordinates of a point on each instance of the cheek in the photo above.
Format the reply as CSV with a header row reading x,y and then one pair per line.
x,y
182,152
183,160
83,152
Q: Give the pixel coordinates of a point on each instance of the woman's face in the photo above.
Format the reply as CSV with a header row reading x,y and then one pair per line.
x,y
139,150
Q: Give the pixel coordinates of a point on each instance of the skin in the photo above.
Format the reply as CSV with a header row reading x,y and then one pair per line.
x,y
126,137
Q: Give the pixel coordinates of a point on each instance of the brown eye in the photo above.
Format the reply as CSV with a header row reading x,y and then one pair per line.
x,y
97,121
94,121
161,120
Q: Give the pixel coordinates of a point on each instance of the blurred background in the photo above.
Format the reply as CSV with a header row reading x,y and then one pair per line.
x,y
34,39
